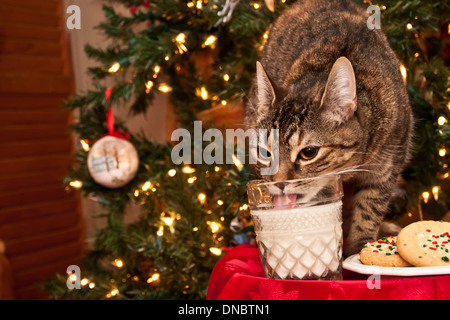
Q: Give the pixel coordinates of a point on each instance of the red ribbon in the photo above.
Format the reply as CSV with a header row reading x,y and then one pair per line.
x,y
110,122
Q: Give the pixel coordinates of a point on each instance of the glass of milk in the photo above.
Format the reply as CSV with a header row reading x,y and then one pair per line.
x,y
298,226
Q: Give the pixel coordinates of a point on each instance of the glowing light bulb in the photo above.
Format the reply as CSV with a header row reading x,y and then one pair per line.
x,y
403,72
215,227
191,179
118,263
84,282
237,162
167,219
226,77
114,68
188,170
112,293
172,172
442,152
73,277
76,184
202,198
210,41
256,6
84,145
409,26
154,277
243,207
215,251
180,40
202,93
425,196
442,120
164,88
147,185
435,192
219,202
148,86
91,285
160,231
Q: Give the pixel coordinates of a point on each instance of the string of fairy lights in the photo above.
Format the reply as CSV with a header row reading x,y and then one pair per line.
x,y
148,187
167,218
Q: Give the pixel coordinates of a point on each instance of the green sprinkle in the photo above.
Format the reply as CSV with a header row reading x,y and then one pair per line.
x,y
388,254
424,245
379,246
420,257
446,250
445,259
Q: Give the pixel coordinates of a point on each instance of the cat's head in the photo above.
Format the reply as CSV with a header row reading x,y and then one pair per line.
x,y
319,132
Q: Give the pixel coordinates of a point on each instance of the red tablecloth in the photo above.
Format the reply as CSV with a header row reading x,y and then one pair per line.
x,y
239,275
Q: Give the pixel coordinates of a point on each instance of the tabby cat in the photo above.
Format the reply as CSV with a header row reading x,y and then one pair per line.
x,y
333,89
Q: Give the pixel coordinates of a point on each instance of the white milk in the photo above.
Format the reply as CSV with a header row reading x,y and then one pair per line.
x,y
301,243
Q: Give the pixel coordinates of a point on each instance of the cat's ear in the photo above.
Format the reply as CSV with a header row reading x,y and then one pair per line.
x,y
265,92
339,98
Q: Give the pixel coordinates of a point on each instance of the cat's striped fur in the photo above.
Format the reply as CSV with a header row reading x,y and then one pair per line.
x,y
361,124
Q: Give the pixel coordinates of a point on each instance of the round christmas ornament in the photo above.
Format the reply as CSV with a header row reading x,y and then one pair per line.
x,y
113,161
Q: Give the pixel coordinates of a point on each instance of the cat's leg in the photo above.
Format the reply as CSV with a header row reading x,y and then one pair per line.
x,y
398,205
371,202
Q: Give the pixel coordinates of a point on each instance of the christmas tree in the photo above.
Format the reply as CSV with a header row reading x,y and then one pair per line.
x,y
203,54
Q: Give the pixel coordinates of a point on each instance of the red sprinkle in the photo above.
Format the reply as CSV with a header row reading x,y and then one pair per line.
x,y
432,248
428,230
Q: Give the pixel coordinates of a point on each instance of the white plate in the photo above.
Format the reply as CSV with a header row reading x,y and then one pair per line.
x,y
353,263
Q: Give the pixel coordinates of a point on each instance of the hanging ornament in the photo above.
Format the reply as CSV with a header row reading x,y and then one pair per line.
x,y
112,160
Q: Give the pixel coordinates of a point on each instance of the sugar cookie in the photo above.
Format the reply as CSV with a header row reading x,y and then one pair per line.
x,y
425,243
383,253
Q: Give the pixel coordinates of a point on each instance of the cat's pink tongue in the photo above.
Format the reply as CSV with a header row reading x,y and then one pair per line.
x,y
285,201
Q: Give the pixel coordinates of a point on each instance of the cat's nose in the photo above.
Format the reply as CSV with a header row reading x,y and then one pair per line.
x,y
280,185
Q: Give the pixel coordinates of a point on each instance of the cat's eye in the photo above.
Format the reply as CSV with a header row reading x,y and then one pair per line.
x,y
307,153
264,156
